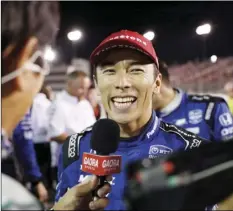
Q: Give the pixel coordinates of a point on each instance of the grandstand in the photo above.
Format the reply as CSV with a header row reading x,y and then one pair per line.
x,y
193,76
204,76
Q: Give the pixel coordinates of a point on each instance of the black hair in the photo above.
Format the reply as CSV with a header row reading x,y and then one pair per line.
x,y
163,69
23,19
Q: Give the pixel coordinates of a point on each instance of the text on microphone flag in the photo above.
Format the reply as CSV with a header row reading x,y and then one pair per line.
x,y
101,165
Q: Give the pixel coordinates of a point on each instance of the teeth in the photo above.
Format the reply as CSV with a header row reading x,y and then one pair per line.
x,y
122,105
123,99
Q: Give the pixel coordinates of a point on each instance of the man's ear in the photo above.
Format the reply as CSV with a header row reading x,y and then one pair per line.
x,y
96,85
25,54
157,84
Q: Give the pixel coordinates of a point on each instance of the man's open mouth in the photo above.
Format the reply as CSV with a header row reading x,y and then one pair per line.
x,y
123,102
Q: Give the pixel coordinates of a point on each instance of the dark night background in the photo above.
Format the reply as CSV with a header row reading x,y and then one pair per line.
x,y
173,22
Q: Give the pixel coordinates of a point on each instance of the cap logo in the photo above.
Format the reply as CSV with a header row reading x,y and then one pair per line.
x,y
128,37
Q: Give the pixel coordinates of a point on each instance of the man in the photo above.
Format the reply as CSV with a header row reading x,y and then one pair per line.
x,y
71,112
126,75
205,115
26,28
229,92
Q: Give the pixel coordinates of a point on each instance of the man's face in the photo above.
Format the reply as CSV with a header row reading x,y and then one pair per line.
x,y
126,81
80,86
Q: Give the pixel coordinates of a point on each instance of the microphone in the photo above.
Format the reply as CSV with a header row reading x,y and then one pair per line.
x,y
192,179
104,140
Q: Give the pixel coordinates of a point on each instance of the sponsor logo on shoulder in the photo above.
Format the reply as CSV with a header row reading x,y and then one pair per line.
x,y
157,150
225,119
195,116
72,146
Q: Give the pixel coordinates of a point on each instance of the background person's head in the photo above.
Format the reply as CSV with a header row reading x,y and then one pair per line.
x,y
27,27
48,91
167,92
78,84
126,74
228,88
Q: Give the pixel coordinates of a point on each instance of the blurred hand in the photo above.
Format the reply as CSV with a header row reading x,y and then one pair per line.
x,y
42,192
80,196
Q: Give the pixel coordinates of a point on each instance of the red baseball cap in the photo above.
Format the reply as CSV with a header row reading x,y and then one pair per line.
x,y
126,39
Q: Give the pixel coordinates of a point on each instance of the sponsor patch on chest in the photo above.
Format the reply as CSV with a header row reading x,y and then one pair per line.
x,y
158,150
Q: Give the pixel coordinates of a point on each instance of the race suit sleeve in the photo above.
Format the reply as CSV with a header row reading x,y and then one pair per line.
x,y
56,120
24,149
223,122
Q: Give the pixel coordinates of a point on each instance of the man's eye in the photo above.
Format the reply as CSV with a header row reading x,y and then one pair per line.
x,y
136,70
109,71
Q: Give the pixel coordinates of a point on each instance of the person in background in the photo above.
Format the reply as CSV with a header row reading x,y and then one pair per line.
x,y
205,115
228,88
96,104
41,139
71,112
48,92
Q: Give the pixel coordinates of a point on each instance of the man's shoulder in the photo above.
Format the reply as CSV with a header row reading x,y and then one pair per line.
x,y
190,140
205,98
71,147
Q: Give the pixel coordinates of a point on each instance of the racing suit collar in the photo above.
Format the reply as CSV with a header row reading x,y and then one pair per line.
x,y
149,132
173,105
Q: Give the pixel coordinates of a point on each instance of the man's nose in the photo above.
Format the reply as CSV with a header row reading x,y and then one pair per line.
x,y
122,82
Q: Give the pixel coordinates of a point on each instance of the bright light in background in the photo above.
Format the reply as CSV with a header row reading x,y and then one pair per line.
x,y
74,35
50,54
203,29
213,58
149,35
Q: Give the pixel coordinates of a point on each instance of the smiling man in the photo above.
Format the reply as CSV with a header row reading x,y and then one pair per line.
x,y
126,75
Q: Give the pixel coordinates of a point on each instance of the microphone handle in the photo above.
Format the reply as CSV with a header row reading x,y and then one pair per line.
x,y
102,180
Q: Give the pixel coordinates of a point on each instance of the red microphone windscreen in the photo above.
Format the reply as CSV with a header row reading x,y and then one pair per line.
x,y
101,165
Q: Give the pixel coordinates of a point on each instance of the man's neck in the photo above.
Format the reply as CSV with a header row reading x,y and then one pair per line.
x,y
166,96
134,128
13,110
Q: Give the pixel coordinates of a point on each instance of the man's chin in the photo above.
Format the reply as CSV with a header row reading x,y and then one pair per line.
x,y
122,118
